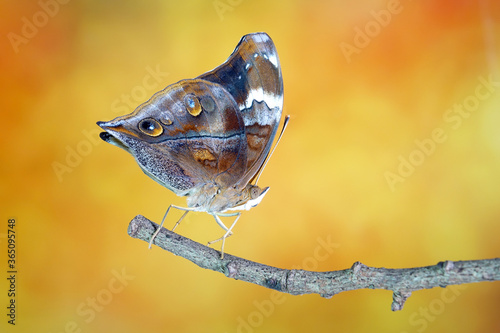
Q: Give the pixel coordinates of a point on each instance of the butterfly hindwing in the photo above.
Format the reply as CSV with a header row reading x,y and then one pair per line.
x,y
252,75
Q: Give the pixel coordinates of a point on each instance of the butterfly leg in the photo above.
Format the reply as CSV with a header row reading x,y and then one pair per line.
x,y
228,231
187,210
178,222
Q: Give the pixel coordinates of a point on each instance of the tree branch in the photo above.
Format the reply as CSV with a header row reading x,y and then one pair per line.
x,y
402,282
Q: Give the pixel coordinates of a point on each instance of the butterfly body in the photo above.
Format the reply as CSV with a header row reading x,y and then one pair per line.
x,y
207,138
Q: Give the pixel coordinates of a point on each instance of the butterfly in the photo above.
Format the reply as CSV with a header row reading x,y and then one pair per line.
x,y
208,138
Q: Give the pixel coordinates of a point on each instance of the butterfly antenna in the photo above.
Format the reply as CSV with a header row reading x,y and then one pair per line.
x,y
285,123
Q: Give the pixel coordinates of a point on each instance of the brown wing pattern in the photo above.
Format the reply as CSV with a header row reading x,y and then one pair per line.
x,y
252,75
215,130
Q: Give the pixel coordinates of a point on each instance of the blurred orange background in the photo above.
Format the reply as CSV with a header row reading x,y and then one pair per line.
x,y
392,157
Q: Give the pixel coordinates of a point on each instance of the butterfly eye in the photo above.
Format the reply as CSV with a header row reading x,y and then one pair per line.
x,y
193,105
150,127
255,192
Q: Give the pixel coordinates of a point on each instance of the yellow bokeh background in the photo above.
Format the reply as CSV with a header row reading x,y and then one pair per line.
x,y
368,84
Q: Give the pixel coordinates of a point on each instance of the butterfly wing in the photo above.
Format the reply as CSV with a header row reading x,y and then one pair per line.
x,y
214,132
187,135
252,75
